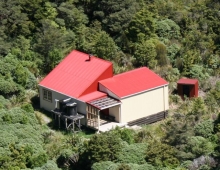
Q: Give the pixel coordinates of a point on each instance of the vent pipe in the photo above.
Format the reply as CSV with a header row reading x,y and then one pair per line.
x,y
90,55
56,103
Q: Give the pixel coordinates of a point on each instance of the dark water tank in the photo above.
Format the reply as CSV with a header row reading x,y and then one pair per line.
x,y
71,109
62,104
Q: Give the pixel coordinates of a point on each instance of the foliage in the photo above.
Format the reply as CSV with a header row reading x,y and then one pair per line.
x,y
142,26
115,166
167,28
49,165
134,153
104,165
200,146
198,72
204,129
145,53
104,147
125,134
142,136
161,154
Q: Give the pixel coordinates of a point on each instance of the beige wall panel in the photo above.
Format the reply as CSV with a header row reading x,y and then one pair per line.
x,y
81,106
144,104
114,111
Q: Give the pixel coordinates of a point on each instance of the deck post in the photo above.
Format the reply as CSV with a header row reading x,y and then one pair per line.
x,y
59,121
98,120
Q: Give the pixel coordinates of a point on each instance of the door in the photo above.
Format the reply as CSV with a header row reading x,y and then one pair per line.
x,y
186,90
104,113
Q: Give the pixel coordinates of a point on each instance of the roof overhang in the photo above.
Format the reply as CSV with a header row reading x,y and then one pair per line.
x,y
104,103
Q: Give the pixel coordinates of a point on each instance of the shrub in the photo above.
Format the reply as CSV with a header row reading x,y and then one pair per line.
x,y
103,147
134,153
204,129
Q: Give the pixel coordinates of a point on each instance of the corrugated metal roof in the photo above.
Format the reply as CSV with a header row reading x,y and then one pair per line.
x,y
75,74
92,96
132,82
187,81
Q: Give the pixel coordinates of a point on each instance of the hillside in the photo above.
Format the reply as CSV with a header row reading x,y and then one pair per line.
x,y
174,38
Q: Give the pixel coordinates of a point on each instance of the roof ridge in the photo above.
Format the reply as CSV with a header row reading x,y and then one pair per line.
x,y
134,70
93,56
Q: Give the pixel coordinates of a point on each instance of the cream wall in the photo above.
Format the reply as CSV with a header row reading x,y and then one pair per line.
x,y
115,111
81,106
144,104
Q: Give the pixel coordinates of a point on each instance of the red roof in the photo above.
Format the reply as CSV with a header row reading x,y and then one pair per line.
x,y
187,81
133,82
92,96
76,76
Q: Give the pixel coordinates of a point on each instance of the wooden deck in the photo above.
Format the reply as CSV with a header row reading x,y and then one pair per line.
x,y
94,123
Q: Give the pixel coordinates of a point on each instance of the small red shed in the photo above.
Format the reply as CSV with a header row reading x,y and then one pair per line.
x,y
187,87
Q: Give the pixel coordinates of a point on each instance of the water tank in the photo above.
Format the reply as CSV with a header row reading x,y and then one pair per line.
x,y
71,109
62,104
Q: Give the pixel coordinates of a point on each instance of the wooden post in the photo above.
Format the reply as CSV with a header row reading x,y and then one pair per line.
x,y
79,125
98,120
73,125
59,121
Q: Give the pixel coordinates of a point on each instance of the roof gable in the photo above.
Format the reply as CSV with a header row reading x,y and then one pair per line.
x,y
76,74
133,82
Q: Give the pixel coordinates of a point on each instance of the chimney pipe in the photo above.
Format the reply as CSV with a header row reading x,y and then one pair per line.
x,y
90,55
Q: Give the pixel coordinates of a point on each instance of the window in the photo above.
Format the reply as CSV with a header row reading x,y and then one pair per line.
x,y
47,95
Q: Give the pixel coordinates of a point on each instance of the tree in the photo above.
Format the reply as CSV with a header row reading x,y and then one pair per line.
x,y
204,129
161,54
162,155
103,147
134,153
167,29
142,26
145,53
50,43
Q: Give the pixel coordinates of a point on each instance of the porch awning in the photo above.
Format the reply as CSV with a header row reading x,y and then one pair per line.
x,y
104,103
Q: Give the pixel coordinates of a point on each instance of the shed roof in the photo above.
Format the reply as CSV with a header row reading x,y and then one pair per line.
x,y
133,82
187,81
75,74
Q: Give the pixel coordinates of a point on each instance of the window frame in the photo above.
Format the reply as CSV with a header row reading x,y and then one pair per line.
x,y
47,95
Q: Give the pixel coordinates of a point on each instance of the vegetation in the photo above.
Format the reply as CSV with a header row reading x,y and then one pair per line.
x,y
174,38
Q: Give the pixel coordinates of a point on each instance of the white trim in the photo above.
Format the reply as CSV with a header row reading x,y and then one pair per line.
x,y
164,107
120,114
144,91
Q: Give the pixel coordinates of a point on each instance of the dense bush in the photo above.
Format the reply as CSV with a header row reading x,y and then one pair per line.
x,y
103,147
134,153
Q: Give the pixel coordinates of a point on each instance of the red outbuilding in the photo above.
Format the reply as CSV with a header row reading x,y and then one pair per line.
x,y
187,87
